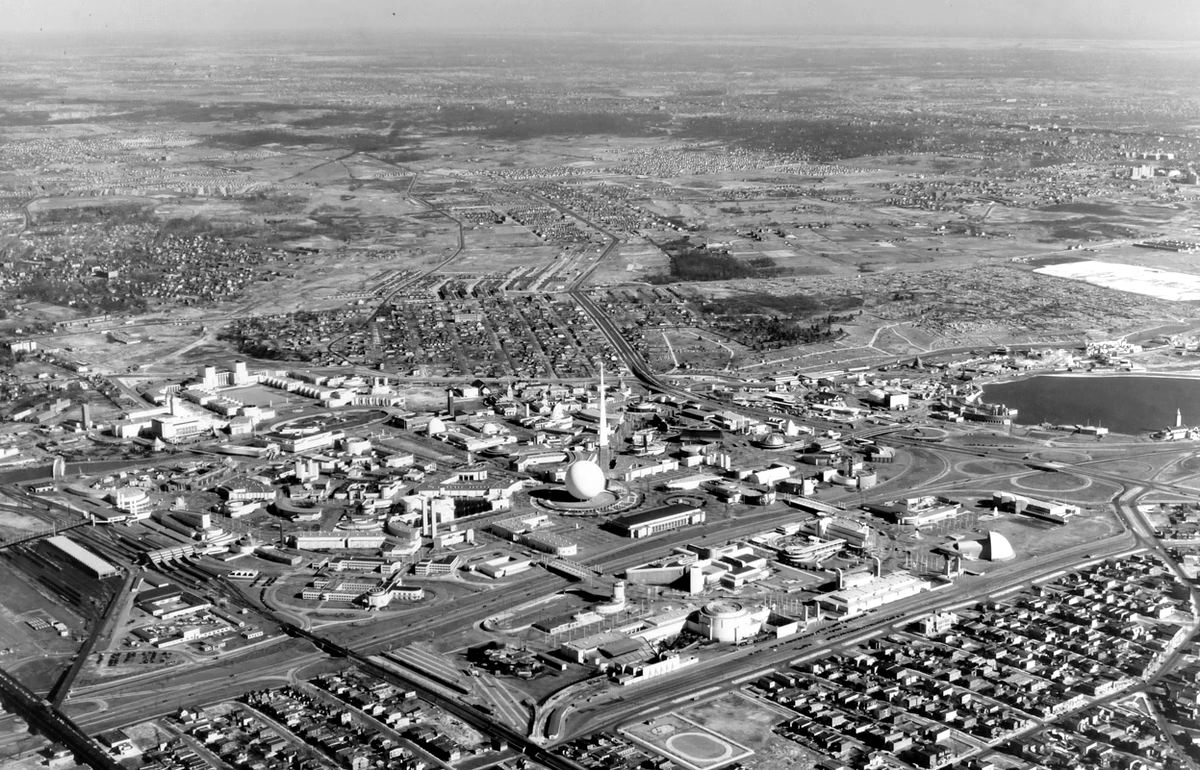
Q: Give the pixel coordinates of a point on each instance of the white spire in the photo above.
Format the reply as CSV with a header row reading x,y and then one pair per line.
x,y
603,418
1178,418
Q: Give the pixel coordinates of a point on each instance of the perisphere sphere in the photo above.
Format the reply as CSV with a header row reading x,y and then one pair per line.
x,y
584,479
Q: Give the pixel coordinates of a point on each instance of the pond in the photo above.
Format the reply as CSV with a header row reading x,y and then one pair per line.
x,y
1132,404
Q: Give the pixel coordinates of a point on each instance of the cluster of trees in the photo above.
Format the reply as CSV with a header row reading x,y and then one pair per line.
x,y
697,263
90,297
769,321
267,339
117,212
795,306
771,332
533,123
262,345
826,139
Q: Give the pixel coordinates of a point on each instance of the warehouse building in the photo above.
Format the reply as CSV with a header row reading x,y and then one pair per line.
x,y
83,557
650,523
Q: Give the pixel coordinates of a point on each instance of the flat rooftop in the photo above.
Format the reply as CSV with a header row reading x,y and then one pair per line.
x,y
82,555
646,517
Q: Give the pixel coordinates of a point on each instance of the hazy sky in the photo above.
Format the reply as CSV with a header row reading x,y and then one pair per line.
x,y
1140,19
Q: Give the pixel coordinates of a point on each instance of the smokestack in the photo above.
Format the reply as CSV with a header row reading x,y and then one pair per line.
x,y
841,578
449,402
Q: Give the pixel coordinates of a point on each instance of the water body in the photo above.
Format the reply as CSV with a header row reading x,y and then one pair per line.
x,y
1131,404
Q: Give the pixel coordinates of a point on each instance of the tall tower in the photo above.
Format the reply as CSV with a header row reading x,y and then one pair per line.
x,y
603,421
1178,418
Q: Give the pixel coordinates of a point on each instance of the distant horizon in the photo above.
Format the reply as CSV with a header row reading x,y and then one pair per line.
x,y
1147,20
307,35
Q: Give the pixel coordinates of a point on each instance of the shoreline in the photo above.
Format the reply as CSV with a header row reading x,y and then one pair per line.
x,y
1190,374
1178,375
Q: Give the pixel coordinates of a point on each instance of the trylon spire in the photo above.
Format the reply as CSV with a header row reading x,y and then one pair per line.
x,y
603,420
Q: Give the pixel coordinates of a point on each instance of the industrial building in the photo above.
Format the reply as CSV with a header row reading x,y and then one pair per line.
x,y
917,511
1049,510
338,540
856,534
168,602
173,428
531,530
848,602
502,566
83,557
664,519
808,549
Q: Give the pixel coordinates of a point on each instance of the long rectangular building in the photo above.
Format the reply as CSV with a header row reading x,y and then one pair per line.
x,y
848,602
82,556
639,525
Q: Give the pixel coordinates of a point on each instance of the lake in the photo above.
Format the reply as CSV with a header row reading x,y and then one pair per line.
x,y
1133,403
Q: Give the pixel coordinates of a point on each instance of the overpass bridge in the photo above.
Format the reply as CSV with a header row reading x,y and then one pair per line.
x,y
51,722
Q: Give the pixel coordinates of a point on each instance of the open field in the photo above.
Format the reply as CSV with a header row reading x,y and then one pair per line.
x,y
749,723
14,523
39,656
686,742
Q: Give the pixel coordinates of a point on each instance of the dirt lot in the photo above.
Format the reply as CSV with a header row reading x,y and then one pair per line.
x,y
749,722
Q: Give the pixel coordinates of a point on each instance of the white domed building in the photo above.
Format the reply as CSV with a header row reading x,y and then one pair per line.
x,y
584,480
436,427
772,441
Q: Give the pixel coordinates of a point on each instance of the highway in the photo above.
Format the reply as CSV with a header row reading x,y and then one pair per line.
x,y
631,358
516,739
112,704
